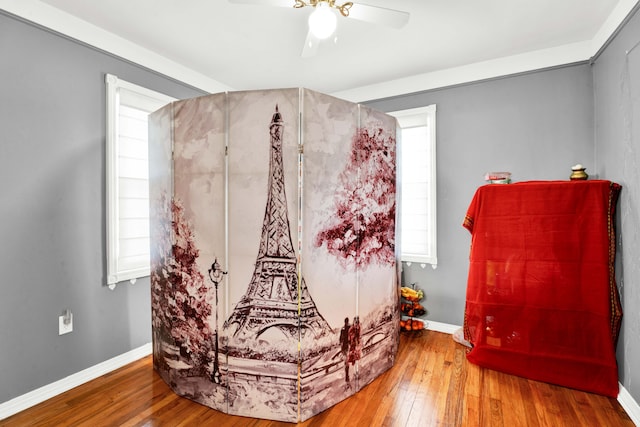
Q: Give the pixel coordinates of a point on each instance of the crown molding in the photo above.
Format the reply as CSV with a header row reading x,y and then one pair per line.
x,y
611,26
530,61
546,58
68,25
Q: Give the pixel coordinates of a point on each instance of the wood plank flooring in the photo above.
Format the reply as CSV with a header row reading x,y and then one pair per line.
x,y
432,384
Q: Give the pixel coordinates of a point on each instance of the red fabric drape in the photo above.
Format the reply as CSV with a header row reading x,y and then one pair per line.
x,y
542,301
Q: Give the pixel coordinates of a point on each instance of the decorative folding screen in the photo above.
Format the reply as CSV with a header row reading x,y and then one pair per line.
x,y
273,227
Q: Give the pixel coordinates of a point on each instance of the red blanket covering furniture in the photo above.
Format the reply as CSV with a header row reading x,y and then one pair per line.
x,y
542,301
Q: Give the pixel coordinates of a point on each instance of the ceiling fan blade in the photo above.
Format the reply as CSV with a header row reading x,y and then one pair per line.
x,y
379,15
279,3
311,44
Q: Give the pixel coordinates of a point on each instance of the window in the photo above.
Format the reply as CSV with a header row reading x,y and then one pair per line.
x,y
417,165
128,107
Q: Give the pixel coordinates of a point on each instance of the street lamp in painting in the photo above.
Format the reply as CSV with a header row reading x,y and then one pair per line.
x,y
216,274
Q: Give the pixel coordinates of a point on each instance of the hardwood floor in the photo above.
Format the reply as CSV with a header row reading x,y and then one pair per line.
x,y
432,384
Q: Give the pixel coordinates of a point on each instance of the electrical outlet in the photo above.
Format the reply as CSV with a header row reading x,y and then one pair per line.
x,y
65,328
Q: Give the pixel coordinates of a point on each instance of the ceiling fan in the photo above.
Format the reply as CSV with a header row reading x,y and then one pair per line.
x,y
323,20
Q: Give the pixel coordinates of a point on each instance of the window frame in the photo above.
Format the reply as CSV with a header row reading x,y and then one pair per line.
x,y
412,118
119,92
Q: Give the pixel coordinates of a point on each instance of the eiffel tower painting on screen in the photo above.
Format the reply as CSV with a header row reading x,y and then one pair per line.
x,y
273,264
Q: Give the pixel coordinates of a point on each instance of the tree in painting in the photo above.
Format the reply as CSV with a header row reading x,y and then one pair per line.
x,y
361,230
161,287
180,297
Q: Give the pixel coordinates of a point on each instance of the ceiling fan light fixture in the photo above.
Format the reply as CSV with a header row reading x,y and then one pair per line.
x,y
322,22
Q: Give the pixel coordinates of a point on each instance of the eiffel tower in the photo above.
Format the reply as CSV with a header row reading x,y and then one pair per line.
x,y
275,298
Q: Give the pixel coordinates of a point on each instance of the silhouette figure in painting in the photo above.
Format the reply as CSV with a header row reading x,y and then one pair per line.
x,y
344,343
355,343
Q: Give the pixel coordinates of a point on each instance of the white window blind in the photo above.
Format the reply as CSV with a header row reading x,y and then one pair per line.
x,y
417,165
128,107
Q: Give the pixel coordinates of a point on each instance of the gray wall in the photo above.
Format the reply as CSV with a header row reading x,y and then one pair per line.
x,y
52,210
617,108
535,125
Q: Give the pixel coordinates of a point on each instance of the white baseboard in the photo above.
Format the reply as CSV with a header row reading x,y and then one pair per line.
x,y
630,406
48,391
441,327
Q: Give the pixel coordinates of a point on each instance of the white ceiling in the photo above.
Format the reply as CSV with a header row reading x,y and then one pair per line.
x,y
246,47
